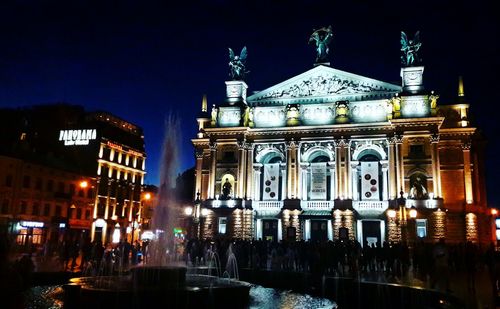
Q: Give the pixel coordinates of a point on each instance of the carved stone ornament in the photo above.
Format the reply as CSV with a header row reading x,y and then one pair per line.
x,y
434,138
321,85
213,146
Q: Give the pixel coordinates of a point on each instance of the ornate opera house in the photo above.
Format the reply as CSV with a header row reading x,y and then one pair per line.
x,y
329,155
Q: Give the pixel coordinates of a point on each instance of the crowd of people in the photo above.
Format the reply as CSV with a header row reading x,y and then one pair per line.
x,y
429,262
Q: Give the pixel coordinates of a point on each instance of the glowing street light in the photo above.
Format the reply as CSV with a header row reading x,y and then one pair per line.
x,y
84,184
147,196
413,212
188,211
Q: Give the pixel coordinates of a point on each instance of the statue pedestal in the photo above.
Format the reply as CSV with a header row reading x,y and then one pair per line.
x,y
236,91
413,81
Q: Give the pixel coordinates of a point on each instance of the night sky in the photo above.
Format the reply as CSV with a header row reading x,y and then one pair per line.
x,y
142,61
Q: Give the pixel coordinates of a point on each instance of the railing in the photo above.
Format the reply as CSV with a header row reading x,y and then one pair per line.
x,y
316,205
429,203
267,205
370,206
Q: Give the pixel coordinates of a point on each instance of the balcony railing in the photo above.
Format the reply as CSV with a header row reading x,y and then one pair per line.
x,y
429,203
316,205
267,205
373,207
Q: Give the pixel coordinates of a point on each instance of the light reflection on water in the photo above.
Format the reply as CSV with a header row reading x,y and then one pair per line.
x,y
50,297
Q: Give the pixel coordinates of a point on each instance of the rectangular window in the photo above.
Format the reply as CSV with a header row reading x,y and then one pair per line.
x,y
421,228
222,225
38,183
58,210
8,181
79,213
50,185
36,209
46,210
5,207
24,207
87,214
72,189
26,181
60,187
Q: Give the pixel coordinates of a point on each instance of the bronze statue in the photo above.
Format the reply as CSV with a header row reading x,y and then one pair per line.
x,y
410,49
237,64
322,38
226,190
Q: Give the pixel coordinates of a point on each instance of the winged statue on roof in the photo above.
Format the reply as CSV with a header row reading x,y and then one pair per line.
x,y
410,49
322,37
237,69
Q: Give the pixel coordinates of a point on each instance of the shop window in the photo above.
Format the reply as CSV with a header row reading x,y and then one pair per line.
x,y
222,225
421,228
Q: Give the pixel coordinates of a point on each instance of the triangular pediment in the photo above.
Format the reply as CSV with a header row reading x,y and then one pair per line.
x,y
323,84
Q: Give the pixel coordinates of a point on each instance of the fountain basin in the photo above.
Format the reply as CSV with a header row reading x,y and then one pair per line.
x,y
156,286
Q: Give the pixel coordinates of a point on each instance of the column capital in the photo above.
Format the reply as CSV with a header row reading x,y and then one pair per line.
x,y
250,146
397,139
213,146
466,145
290,144
198,153
434,138
341,142
242,145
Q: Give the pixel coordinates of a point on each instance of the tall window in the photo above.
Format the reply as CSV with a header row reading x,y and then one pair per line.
x,y
24,207
5,206
36,209
222,225
421,228
8,181
46,210
58,210
50,185
26,181
38,183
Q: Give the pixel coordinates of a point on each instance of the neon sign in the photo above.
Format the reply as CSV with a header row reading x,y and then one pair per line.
x,y
77,137
31,224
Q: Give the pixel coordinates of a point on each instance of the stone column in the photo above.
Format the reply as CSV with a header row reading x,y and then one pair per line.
x,y
249,182
393,187
303,187
436,176
347,170
331,167
290,170
399,163
213,170
385,194
283,168
241,169
297,173
256,186
469,198
354,182
199,166
338,170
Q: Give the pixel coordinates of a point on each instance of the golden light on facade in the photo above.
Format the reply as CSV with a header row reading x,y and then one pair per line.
x,y
494,212
391,213
84,184
147,196
413,213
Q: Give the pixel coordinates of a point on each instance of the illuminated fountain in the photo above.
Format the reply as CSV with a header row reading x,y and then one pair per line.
x,y
161,282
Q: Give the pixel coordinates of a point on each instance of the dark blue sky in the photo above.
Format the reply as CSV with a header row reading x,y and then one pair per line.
x,y
144,60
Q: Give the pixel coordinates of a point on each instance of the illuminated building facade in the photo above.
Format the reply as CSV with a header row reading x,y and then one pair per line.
x,y
329,155
71,169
